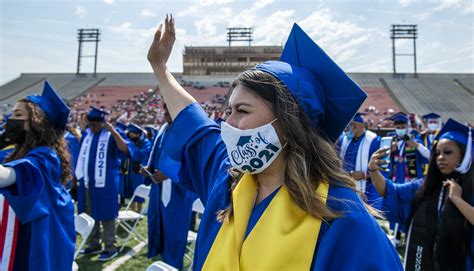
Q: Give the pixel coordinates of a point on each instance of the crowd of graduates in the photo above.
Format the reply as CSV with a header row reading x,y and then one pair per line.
x,y
289,176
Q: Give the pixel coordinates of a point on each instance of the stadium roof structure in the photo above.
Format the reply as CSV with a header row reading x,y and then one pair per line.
x,y
450,95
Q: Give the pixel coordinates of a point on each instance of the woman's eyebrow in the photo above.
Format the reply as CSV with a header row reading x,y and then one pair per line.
x,y
242,104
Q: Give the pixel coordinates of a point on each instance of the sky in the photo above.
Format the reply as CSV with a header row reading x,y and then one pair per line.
x,y
40,36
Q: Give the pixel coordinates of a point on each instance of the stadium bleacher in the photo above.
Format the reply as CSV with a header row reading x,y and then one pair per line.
x,y
387,93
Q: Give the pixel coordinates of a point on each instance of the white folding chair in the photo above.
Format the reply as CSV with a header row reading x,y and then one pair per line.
x,y
198,207
84,225
160,266
127,215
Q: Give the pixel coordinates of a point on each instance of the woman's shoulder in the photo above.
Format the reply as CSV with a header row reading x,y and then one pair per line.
x,y
344,200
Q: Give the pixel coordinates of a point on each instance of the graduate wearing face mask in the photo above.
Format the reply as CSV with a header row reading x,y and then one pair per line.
x,y
407,152
439,208
139,151
275,194
433,125
40,229
355,149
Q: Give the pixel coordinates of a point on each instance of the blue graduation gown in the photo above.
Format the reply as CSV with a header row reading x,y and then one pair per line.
x,y
5,153
73,148
399,166
194,156
168,226
137,154
349,163
46,235
104,200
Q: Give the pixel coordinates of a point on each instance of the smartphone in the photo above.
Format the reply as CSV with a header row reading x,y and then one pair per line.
x,y
386,143
146,171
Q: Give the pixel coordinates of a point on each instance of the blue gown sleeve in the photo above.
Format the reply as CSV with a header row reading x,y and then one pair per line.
x,y
139,154
27,196
398,200
193,153
356,242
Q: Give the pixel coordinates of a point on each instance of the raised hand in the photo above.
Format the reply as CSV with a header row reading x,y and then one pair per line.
x,y
160,49
454,190
376,161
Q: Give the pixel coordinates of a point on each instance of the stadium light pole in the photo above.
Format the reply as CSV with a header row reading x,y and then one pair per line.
x,y
240,34
87,35
403,31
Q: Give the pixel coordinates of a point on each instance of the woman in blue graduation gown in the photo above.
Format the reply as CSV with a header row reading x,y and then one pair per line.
x,y
265,174
439,208
139,151
37,170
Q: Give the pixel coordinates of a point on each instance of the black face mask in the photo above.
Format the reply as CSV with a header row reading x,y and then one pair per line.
x,y
15,132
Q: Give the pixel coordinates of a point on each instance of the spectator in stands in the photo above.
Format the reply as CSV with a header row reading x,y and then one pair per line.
x,y
32,182
97,171
283,110
438,208
355,149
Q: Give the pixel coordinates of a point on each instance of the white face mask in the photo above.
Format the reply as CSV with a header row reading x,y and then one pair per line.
x,y
401,132
253,150
432,126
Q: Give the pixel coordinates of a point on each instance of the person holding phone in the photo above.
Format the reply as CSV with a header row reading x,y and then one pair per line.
x,y
355,149
275,194
407,152
169,208
437,208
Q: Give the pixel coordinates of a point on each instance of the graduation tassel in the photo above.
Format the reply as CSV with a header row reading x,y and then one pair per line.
x,y
467,160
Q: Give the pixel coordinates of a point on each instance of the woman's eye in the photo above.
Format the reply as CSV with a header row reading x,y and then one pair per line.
x,y
448,152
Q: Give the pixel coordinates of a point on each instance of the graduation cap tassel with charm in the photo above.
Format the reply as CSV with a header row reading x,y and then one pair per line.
x,y
467,160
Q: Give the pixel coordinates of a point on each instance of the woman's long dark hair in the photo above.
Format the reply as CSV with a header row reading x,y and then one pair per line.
x,y
43,133
310,157
453,241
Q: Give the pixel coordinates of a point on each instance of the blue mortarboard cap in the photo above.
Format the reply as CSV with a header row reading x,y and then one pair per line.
x,y
358,117
399,117
455,131
52,105
462,134
431,116
96,114
135,128
327,95
120,126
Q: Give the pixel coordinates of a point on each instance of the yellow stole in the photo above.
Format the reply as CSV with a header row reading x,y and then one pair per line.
x,y
284,237
8,147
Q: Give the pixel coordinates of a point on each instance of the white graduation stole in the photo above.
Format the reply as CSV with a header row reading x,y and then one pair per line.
x,y
362,159
160,133
100,160
166,184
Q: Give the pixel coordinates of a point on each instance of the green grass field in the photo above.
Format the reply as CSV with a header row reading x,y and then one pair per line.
x,y
140,261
